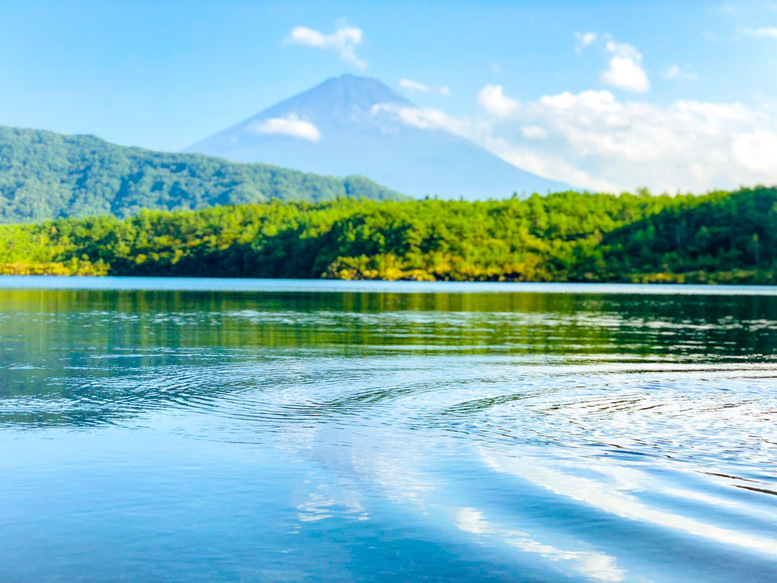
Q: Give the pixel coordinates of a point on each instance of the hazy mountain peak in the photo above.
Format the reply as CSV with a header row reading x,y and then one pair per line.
x,y
338,98
345,126
363,92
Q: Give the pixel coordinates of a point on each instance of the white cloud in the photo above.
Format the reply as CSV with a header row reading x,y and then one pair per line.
x,y
766,32
591,139
675,72
595,100
584,40
344,40
415,86
623,49
423,118
288,126
756,150
625,68
493,99
534,132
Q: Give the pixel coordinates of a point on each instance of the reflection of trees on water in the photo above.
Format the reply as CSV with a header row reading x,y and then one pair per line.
x,y
85,357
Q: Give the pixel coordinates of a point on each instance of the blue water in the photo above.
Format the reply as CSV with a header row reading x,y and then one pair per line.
x,y
248,430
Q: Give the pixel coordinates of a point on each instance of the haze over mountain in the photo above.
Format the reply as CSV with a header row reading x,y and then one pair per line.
x,y
357,125
44,175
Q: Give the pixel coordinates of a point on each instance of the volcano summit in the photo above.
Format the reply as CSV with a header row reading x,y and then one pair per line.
x,y
357,125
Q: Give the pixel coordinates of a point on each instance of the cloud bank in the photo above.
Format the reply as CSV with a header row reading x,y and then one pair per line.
x,y
593,140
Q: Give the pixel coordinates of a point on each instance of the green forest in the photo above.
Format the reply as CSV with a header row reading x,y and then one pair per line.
x,y
44,175
721,237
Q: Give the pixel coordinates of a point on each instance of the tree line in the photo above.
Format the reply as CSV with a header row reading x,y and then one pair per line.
x,y
720,237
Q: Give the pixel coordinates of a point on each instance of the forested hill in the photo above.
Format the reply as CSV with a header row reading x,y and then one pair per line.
x,y
717,238
44,175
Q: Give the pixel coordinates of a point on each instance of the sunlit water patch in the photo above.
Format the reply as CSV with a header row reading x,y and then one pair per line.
x,y
301,435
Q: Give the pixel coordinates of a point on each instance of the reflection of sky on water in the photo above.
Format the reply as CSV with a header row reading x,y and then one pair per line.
x,y
609,497
567,437
598,566
391,466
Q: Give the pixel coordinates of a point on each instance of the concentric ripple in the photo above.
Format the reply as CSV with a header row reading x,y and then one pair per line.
x,y
376,436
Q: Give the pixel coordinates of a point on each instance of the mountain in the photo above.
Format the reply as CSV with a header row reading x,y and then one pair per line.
x,y
44,175
357,125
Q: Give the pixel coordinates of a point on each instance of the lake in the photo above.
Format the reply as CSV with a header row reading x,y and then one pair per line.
x,y
248,430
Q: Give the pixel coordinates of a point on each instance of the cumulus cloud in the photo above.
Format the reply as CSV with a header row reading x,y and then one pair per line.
x,y
494,101
417,87
625,68
756,150
344,40
584,40
288,126
593,140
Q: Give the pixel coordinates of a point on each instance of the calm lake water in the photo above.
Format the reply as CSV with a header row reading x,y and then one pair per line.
x,y
217,430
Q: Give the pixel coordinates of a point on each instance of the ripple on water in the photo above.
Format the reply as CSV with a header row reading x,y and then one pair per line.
x,y
548,435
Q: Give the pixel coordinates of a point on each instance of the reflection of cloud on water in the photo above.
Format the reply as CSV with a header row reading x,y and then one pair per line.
x,y
591,564
389,466
320,505
612,498
399,486
316,507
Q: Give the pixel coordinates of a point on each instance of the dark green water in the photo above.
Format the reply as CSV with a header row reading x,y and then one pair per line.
x,y
179,430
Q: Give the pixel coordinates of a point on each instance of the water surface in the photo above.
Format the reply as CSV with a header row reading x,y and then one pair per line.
x,y
232,430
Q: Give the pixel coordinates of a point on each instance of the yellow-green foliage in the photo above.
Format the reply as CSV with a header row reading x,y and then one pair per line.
x,y
720,237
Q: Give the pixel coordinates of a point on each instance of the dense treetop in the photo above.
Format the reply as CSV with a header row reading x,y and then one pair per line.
x,y
719,237
44,175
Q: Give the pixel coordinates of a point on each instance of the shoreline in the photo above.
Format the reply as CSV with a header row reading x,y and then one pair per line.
x,y
271,285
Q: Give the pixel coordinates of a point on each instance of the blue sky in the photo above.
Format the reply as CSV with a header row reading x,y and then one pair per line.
x,y
612,95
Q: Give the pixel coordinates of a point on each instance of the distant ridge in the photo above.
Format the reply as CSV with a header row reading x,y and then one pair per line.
x,y
44,175
354,125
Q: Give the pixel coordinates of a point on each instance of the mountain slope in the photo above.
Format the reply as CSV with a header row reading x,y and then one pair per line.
x,y
356,125
45,175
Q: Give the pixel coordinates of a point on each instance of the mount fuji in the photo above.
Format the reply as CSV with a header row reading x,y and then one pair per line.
x,y
357,125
